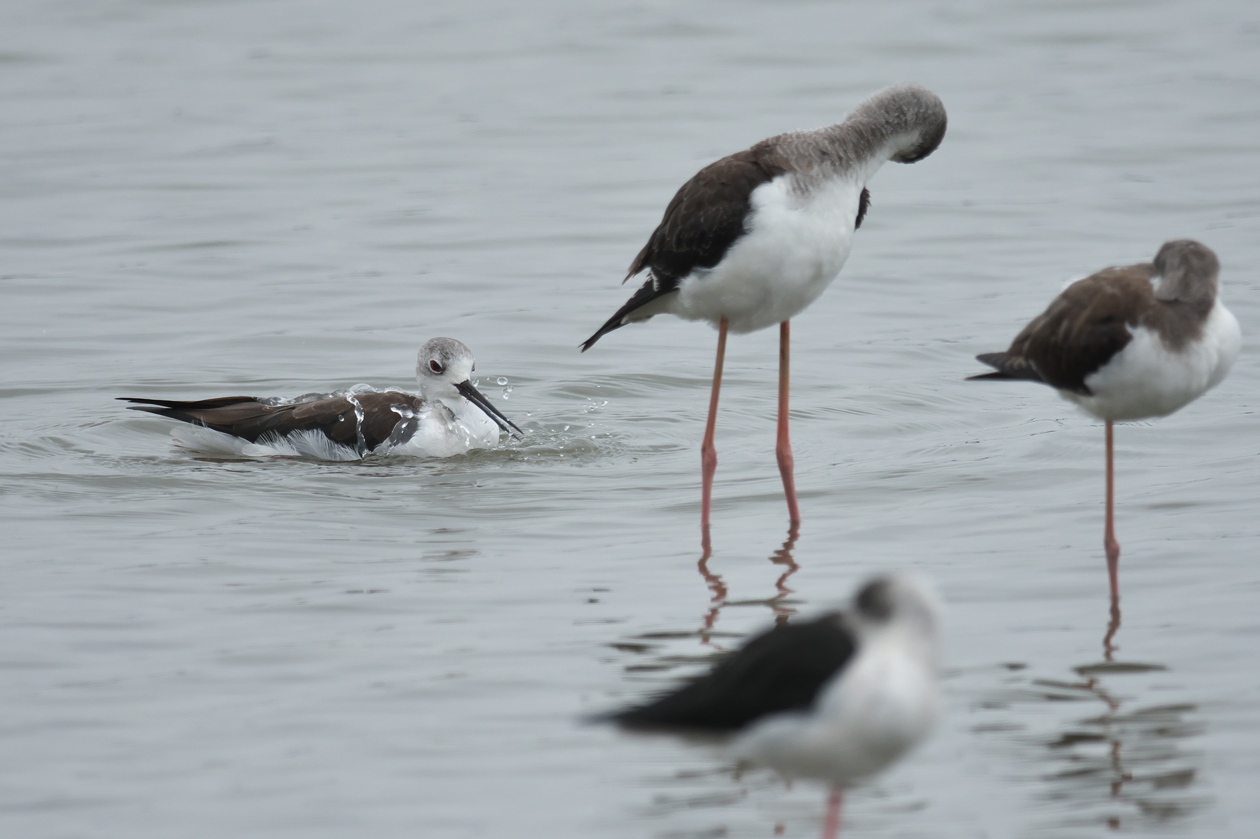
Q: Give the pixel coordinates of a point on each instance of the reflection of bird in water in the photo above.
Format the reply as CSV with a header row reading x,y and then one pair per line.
x,y
1113,626
449,416
1126,764
757,236
716,585
1124,348
783,556
837,698
778,603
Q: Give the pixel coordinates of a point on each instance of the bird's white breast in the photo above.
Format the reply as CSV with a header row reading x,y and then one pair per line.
x,y
448,427
883,703
796,243
1148,379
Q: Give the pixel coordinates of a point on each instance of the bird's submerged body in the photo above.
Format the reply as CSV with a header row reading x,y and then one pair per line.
x,y
449,416
444,430
345,425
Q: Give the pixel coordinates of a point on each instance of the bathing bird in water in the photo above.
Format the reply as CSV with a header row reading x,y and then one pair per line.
x,y
837,698
755,237
1129,343
448,416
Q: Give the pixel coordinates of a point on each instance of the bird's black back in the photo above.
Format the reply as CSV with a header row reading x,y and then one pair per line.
x,y
782,669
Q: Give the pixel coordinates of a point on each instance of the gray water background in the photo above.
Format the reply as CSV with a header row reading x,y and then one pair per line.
x,y
274,197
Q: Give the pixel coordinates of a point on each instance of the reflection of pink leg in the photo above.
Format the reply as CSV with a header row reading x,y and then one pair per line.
x,y
1113,626
1109,538
831,826
715,584
783,447
708,452
783,556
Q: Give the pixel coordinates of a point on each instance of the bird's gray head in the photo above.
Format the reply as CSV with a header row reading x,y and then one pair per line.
x,y
1188,272
444,368
444,361
908,111
901,601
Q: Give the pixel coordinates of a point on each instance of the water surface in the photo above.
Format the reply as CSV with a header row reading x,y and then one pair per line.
x,y
277,197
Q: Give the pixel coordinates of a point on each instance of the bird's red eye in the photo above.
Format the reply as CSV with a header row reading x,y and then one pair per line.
x,y
436,366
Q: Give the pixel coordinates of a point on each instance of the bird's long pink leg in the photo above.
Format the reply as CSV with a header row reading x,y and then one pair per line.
x,y
1109,538
831,826
783,446
708,451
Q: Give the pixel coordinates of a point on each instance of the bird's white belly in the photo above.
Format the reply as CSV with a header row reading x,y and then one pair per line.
x,y
448,429
1147,379
880,708
794,248
309,444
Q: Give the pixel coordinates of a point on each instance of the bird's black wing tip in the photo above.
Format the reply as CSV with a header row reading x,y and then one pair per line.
x,y
996,360
151,406
600,718
613,323
1007,367
636,721
633,717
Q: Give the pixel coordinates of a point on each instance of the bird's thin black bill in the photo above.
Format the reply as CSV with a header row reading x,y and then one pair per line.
x,y
474,396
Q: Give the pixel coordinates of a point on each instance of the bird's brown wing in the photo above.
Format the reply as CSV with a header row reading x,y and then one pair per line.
x,y
1080,331
336,417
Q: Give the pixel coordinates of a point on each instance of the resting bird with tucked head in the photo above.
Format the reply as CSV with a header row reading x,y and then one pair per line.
x,y
1129,343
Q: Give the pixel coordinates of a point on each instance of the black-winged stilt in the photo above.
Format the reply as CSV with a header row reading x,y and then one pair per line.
x,y
837,698
1129,343
448,416
755,237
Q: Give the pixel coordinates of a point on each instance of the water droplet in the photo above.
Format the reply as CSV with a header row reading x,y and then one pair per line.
x,y
502,380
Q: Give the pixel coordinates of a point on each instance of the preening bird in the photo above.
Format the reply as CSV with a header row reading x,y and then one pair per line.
x,y
755,237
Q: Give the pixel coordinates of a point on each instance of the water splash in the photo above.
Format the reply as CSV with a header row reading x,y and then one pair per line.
x,y
406,427
359,415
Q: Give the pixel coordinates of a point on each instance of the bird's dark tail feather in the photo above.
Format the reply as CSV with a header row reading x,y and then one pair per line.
x,y
161,407
613,323
650,292
180,410
1008,368
645,720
